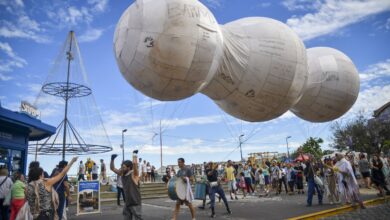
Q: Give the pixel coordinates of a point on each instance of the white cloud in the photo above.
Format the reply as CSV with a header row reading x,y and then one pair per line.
x,y
377,70
27,23
287,115
149,103
294,5
60,14
333,15
370,100
10,61
264,4
9,30
98,5
91,35
19,3
4,77
387,25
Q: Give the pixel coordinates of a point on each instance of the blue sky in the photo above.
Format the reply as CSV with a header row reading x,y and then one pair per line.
x,y
32,33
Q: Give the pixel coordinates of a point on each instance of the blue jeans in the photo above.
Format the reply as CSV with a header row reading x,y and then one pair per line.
x,y
311,187
61,205
221,193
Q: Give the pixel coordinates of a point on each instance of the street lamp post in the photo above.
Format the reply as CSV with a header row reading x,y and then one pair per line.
x,y
239,139
123,144
288,152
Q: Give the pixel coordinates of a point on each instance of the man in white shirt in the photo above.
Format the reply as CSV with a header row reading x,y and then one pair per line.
x,y
144,171
81,171
95,171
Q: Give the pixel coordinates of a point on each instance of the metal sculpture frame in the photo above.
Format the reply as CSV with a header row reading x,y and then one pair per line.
x,y
67,90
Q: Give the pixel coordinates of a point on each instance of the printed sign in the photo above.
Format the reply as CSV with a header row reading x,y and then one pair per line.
x,y
88,197
29,109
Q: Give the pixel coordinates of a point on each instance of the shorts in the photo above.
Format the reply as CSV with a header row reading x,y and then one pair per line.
x,y
232,185
183,202
266,180
366,174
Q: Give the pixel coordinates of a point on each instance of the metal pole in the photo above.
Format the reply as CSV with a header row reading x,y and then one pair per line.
x,y
239,138
69,57
288,151
36,151
123,146
161,159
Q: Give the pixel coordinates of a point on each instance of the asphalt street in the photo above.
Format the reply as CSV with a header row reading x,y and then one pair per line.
x,y
273,207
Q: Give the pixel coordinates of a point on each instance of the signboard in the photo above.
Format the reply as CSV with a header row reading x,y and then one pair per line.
x,y
29,109
88,197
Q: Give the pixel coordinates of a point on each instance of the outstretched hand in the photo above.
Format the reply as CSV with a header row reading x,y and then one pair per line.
x,y
74,159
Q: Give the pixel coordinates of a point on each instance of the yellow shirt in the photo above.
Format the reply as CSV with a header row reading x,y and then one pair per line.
x,y
230,173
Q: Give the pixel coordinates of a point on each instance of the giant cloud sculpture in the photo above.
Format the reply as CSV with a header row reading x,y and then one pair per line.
x,y
253,68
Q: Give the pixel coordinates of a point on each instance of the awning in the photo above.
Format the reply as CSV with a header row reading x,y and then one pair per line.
x,y
38,130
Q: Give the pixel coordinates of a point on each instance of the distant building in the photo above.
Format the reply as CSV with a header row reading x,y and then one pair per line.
x,y
383,113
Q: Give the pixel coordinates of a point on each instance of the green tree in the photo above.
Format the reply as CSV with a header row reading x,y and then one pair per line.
x,y
311,146
362,134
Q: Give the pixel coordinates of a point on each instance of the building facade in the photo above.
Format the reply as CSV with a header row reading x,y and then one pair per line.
x,y
16,130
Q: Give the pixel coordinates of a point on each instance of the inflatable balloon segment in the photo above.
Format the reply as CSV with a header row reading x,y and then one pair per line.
x,y
254,68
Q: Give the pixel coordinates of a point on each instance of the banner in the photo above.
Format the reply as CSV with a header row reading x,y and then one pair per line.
x,y
88,197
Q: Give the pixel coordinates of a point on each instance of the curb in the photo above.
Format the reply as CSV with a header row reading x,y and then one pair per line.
x,y
339,210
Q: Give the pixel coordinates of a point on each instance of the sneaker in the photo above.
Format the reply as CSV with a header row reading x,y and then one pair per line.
x,y
213,215
308,205
200,207
236,198
229,211
231,197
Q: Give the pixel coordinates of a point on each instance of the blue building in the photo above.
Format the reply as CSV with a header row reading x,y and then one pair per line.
x,y
16,130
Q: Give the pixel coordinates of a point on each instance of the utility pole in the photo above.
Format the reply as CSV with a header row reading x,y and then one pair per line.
x,y
161,159
239,139
288,152
123,144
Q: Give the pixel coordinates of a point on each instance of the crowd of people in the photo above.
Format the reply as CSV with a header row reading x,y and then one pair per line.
x,y
40,196
90,171
338,178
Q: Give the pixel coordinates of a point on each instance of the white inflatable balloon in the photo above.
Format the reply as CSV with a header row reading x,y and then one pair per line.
x,y
263,70
332,87
167,49
253,68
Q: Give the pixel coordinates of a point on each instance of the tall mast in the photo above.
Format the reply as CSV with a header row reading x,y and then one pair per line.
x,y
70,58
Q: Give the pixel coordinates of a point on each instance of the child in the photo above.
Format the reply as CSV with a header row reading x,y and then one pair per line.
x,y
262,190
242,184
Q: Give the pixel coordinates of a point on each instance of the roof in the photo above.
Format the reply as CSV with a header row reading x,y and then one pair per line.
x,y
38,129
381,109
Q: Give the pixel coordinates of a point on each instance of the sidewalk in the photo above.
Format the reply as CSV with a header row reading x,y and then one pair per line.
x,y
378,212
274,207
